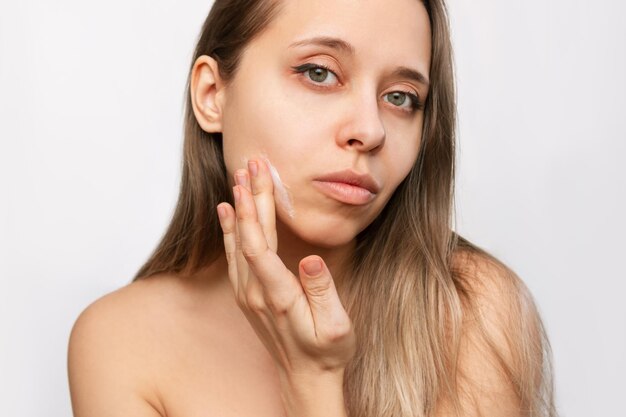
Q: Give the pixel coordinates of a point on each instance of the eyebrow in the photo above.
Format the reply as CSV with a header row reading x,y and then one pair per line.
x,y
345,47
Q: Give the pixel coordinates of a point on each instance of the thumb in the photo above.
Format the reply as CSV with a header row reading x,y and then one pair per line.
x,y
315,278
319,287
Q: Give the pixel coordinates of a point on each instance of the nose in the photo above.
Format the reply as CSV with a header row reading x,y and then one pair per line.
x,y
362,127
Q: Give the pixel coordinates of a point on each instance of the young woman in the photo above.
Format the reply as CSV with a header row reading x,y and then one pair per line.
x,y
310,268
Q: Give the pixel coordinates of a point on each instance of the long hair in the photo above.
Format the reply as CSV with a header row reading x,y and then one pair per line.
x,y
410,289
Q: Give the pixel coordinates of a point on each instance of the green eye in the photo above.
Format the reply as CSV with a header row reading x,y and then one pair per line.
x,y
397,98
323,76
316,73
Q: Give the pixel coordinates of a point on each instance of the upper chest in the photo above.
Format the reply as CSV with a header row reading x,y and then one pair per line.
x,y
211,364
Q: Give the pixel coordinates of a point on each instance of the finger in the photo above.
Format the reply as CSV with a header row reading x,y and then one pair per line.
x,y
242,178
331,319
240,269
243,270
264,263
226,216
263,192
246,278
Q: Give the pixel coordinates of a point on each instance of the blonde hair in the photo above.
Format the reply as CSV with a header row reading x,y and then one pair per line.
x,y
415,287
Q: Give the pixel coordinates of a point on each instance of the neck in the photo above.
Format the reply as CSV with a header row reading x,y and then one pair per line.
x,y
211,284
292,249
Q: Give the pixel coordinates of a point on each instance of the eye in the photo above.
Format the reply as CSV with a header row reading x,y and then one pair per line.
x,y
402,98
317,73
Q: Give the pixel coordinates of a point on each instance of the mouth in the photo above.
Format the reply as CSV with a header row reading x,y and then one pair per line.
x,y
348,187
345,193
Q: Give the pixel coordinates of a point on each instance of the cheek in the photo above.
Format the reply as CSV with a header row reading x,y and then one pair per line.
x,y
263,121
403,146
251,126
261,114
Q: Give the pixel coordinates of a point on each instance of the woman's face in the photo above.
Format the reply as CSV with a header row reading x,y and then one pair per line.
x,y
310,121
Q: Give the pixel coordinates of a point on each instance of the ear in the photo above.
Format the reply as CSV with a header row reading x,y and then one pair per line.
x,y
207,94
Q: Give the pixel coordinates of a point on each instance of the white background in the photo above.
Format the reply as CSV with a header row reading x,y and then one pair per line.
x,y
91,100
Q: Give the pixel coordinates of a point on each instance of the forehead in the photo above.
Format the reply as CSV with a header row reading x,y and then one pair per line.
x,y
391,32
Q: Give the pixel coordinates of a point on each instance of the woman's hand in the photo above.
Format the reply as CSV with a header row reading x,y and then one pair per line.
x,y
300,320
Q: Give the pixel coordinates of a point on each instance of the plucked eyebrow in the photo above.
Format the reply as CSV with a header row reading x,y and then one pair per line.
x,y
345,47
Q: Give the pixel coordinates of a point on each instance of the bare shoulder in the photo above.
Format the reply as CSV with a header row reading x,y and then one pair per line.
x,y
502,342
112,356
497,303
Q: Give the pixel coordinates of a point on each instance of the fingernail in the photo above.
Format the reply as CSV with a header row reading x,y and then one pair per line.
x,y
221,213
236,192
253,167
240,178
313,267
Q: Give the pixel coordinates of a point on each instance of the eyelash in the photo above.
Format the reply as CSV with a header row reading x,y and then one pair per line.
x,y
416,103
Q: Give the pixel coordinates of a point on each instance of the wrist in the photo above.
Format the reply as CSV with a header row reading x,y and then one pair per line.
x,y
316,395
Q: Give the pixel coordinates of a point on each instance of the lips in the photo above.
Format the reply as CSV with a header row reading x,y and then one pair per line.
x,y
352,178
348,187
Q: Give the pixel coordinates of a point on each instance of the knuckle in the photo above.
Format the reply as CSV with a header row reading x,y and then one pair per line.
x,y
242,216
251,253
255,302
230,257
279,306
258,189
262,184
241,302
337,332
319,288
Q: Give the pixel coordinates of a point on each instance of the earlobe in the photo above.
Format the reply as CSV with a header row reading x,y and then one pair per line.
x,y
207,91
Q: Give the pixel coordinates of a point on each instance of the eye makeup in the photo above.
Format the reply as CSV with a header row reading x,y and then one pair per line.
x,y
416,102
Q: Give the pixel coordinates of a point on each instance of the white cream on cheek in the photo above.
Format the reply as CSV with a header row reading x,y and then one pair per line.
x,y
281,192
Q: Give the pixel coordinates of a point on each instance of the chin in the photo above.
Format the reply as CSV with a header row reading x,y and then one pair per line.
x,y
329,241
320,232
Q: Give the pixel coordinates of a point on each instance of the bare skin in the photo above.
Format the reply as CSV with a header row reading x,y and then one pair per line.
x,y
182,345
190,349
171,346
